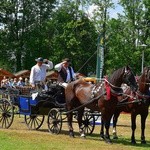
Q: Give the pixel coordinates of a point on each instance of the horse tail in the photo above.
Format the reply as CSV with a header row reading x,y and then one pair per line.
x,y
71,90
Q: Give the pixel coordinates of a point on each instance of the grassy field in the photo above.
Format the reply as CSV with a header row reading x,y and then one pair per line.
x,y
18,137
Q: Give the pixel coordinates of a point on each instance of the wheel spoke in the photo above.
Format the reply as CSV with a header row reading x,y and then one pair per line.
x,y
3,121
36,122
1,108
39,119
7,106
31,124
7,114
52,127
89,129
54,121
7,120
29,121
9,109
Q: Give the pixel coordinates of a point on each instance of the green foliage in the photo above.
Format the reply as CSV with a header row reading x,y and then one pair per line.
x,y
56,29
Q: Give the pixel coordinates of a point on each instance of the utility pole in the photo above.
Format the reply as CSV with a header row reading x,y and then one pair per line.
x,y
100,58
142,64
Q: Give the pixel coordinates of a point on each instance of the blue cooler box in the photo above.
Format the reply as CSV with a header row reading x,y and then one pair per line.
x,y
25,104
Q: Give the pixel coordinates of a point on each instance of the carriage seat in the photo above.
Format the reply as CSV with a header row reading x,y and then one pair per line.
x,y
25,90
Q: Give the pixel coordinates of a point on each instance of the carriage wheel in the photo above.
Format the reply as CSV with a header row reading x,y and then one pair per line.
x,y
34,122
6,113
54,121
88,123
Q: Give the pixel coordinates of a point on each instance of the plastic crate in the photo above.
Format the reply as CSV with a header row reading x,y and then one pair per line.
x,y
24,104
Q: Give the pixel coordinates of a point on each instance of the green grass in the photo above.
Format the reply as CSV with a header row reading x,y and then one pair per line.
x,y
18,137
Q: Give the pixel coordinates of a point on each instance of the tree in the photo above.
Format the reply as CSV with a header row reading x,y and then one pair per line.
x,y
23,21
74,37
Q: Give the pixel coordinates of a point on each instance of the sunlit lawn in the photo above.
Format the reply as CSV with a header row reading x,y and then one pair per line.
x,y
18,137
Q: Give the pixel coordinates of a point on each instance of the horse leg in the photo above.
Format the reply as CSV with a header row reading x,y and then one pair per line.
x,y
69,118
133,127
102,129
81,127
107,137
143,120
115,119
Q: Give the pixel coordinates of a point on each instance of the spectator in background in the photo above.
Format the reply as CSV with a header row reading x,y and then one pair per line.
x,y
14,82
11,82
3,81
26,83
20,82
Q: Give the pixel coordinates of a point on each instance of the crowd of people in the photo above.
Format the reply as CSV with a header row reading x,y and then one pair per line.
x,y
38,74
13,82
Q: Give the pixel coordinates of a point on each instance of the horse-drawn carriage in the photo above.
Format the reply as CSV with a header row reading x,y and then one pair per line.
x,y
36,105
101,97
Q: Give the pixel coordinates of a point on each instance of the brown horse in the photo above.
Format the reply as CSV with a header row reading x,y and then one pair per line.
x,y
139,106
80,93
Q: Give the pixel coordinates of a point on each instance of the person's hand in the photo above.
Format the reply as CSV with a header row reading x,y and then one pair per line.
x,y
45,60
33,86
64,62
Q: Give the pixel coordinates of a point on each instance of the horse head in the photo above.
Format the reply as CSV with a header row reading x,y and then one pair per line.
x,y
146,72
129,78
124,75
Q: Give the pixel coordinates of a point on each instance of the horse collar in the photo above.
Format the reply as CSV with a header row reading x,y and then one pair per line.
x,y
95,90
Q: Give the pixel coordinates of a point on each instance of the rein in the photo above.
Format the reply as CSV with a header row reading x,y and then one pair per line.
x,y
92,100
145,83
136,100
131,102
117,87
142,95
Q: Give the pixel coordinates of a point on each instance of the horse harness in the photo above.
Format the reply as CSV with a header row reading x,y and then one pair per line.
x,y
108,90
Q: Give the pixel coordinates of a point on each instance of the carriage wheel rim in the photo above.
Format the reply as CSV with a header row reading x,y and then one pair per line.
x,y
54,121
34,122
6,114
88,123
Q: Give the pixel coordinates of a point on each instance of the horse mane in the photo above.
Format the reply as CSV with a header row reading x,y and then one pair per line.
x,y
116,74
143,87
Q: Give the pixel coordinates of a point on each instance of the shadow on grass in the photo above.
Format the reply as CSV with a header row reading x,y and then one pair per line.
x,y
127,142
124,125
121,140
96,137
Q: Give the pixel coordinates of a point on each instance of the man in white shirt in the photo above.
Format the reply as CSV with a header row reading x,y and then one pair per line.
x,y
66,72
38,72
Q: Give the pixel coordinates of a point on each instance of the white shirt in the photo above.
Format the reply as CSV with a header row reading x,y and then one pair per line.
x,y
58,68
39,73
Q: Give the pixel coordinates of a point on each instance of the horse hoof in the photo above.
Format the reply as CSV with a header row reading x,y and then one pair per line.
x,y
143,142
108,141
82,135
101,136
71,134
115,137
133,142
